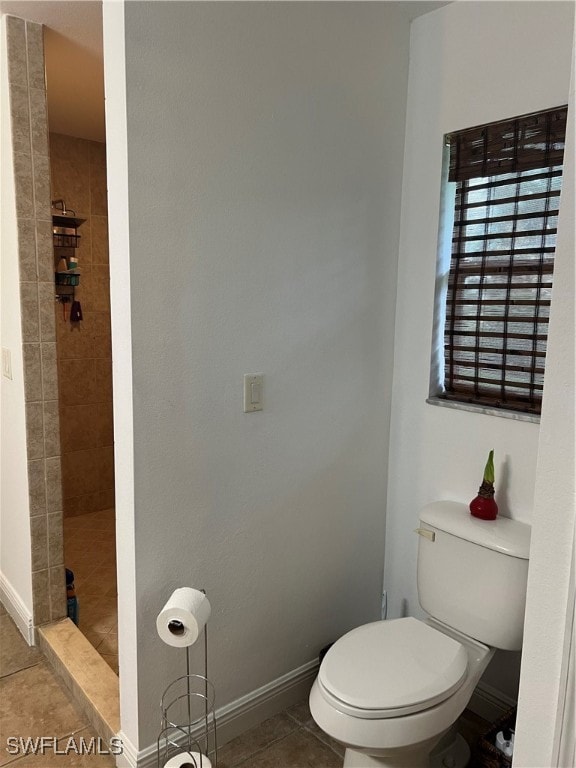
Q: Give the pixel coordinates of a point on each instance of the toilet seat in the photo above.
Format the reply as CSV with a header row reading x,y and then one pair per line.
x,y
392,668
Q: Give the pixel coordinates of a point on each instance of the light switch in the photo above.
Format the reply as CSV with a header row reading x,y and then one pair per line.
x,y
253,386
6,363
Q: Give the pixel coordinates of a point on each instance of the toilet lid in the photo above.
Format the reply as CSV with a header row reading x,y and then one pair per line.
x,y
392,668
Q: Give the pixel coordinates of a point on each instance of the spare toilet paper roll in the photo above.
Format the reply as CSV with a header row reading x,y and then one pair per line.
x,y
188,760
183,617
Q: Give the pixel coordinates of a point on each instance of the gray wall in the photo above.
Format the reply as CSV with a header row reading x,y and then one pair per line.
x,y
265,146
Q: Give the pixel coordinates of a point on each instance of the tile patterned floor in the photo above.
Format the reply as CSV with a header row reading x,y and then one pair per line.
x,y
34,703
90,552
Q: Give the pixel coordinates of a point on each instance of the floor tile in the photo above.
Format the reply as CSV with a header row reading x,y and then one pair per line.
x,y
33,703
262,736
300,749
15,653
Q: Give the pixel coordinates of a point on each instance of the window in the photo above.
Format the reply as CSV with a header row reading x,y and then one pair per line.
x,y
507,179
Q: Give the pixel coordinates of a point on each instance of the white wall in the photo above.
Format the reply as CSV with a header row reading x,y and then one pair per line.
x,y
265,148
550,606
15,552
469,65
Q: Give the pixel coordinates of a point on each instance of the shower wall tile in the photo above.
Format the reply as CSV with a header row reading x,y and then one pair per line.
x,y
20,114
27,249
30,314
53,484
38,122
79,428
41,596
51,429
32,372
35,53
70,164
37,487
35,430
45,250
49,371
55,539
36,264
77,381
100,245
16,45
46,302
41,168
39,537
23,184
57,587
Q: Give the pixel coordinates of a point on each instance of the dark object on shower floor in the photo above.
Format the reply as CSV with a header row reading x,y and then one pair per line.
x,y
72,600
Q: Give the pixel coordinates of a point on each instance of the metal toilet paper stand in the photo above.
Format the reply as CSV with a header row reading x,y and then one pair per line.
x,y
187,738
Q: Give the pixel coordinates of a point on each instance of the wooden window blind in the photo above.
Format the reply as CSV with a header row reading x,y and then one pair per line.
x,y
508,180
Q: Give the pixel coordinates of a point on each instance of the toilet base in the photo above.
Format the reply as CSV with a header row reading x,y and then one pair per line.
x,y
451,752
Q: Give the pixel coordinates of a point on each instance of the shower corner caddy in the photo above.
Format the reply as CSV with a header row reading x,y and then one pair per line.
x,y
188,728
65,235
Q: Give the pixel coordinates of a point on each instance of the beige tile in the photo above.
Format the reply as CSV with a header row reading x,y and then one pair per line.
x,y
31,699
38,121
256,739
32,372
100,240
16,44
49,371
70,163
105,424
41,168
100,288
298,749
24,185
55,539
39,542
34,430
35,51
301,713
84,250
80,473
20,114
45,251
27,249
103,379
58,605
51,428
53,484
15,653
106,467
41,596
36,487
78,383
46,302
30,314
79,427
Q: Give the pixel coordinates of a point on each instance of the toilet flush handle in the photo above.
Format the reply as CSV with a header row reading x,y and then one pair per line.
x,y
430,535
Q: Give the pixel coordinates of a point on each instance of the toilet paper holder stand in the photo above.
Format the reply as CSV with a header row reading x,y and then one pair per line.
x,y
188,727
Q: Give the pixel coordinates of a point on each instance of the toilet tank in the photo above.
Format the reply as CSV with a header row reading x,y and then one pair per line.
x,y
472,573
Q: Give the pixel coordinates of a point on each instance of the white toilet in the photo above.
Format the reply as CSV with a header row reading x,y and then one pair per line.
x,y
391,691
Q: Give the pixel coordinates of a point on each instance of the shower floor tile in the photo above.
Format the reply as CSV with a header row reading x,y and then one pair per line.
x,y
90,552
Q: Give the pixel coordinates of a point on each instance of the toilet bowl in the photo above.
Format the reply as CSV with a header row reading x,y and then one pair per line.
x,y
391,691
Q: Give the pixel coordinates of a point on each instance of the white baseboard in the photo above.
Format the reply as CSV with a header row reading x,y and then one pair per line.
x,y
240,715
14,604
489,703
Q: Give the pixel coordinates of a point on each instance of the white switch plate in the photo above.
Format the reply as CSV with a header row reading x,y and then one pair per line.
x,y
253,391
6,363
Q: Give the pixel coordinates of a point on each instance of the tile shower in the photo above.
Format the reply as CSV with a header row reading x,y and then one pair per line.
x,y
78,176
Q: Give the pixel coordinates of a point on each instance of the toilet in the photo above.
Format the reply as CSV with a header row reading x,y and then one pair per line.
x,y
391,691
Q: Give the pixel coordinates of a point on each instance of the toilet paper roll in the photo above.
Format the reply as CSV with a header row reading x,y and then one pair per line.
x,y
183,617
188,760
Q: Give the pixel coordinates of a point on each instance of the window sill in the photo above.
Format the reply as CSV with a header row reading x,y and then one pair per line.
x,y
503,414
